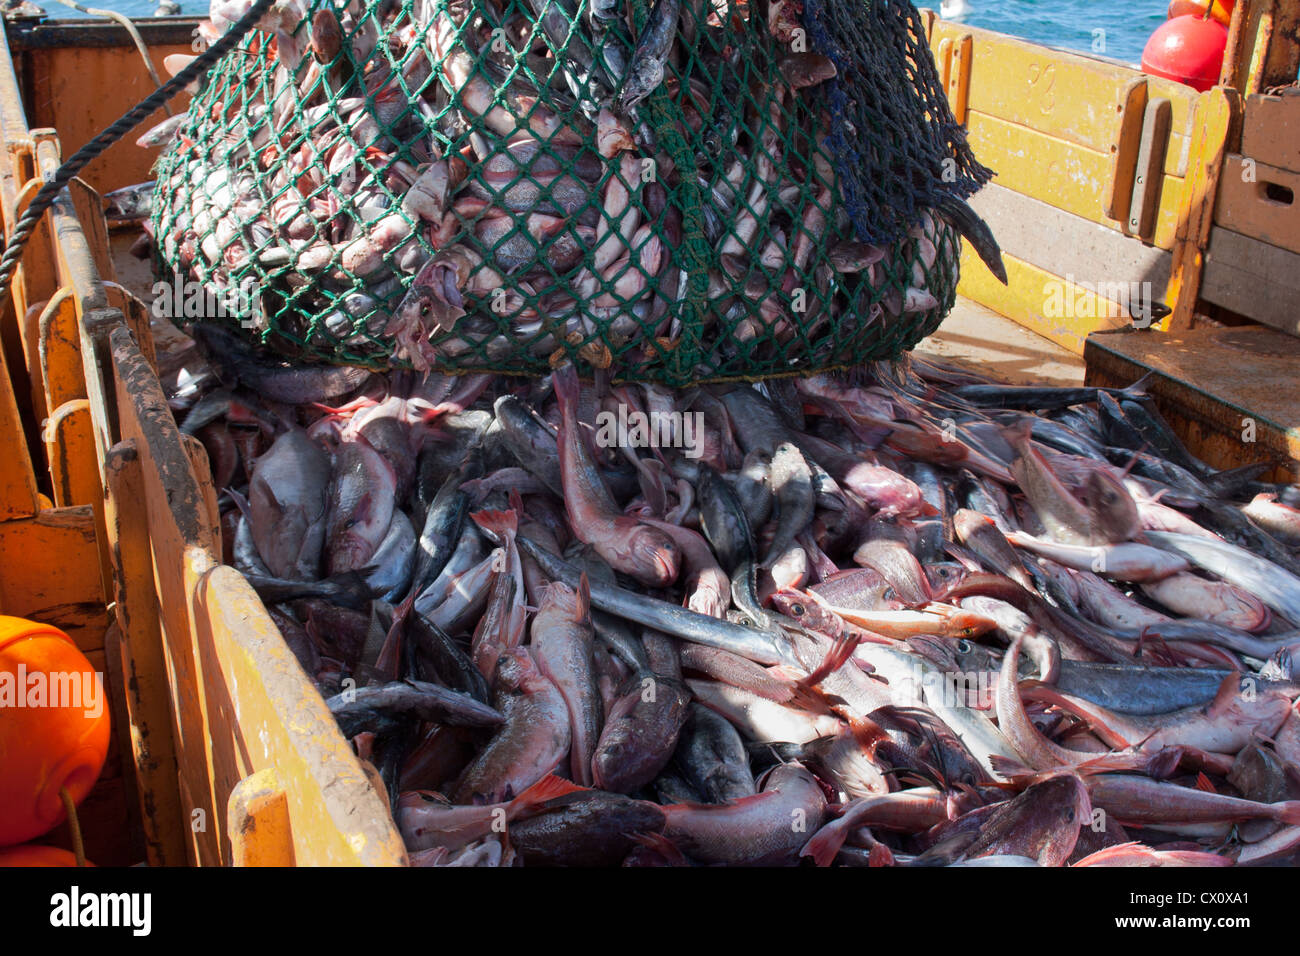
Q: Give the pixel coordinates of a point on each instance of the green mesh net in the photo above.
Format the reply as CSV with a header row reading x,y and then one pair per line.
x,y
463,186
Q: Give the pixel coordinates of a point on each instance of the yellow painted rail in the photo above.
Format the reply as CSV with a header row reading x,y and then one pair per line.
x,y
233,756
1088,143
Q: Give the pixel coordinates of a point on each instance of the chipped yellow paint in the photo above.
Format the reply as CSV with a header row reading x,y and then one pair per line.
x,y
1061,173
1029,296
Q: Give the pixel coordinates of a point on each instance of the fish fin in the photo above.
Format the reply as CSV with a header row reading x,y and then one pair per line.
x,y
1203,783
1036,690
565,382
1224,697
582,609
881,855
867,733
824,845
662,845
550,787
241,503
1139,388
516,501
836,657
498,524
1009,767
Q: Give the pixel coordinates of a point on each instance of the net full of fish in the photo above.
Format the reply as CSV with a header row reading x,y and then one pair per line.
x,y
494,185
901,617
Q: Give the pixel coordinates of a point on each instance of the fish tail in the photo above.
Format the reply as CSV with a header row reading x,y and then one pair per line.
x,y
835,658
825,844
565,381
498,524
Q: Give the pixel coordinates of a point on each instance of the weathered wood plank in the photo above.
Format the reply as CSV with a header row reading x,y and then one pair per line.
x,y
1219,388
1270,130
1253,278
1030,296
1218,115
1260,200
1065,175
44,559
70,449
148,699
1067,245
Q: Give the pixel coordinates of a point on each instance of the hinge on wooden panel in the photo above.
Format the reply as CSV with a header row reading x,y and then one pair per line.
x,y
1149,174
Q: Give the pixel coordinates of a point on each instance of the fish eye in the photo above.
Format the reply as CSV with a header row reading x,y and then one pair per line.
x,y
1069,815
351,522
964,647
968,631
797,610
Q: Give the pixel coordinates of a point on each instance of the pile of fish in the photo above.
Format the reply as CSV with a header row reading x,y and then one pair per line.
x,y
393,186
903,617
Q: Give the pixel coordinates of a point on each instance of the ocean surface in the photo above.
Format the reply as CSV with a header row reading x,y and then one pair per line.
x,y
1064,23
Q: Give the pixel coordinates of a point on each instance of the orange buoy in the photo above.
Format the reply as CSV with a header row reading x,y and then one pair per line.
x,y
31,854
54,727
1220,10
1187,49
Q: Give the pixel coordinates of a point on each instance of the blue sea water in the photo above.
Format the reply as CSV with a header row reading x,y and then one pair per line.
x,y
1064,23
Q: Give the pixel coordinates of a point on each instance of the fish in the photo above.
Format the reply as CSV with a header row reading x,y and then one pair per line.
x,y
767,829
533,741
642,729
427,820
415,700
711,755
130,203
645,71
288,500
1276,587
530,689
791,482
630,546
361,498
586,828
1042,823
562,637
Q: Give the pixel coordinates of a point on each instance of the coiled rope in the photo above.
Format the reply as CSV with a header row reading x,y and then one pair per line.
x,y
26,224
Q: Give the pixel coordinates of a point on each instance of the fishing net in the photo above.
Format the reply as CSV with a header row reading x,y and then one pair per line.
x,y
486,185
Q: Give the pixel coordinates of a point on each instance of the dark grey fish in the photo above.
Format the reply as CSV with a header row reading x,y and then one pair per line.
x,y
349,589
443,525
975,231
763,646
292,384
791,482
530,439
712,758
129,203
429,643
414,700
646,71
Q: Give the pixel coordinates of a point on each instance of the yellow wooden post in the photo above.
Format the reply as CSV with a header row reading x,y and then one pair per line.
x,y
1218,113
257,819
148,700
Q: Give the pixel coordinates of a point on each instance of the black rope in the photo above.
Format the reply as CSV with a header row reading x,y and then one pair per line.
x,y
26,225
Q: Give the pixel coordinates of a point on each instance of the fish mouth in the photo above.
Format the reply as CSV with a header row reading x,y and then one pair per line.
x,y
663,566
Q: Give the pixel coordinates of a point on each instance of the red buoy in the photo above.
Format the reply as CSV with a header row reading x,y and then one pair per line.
x,y
1187,49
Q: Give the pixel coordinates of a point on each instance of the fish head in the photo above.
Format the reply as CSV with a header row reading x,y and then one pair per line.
x,y
653,556
1053,813
1112,509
